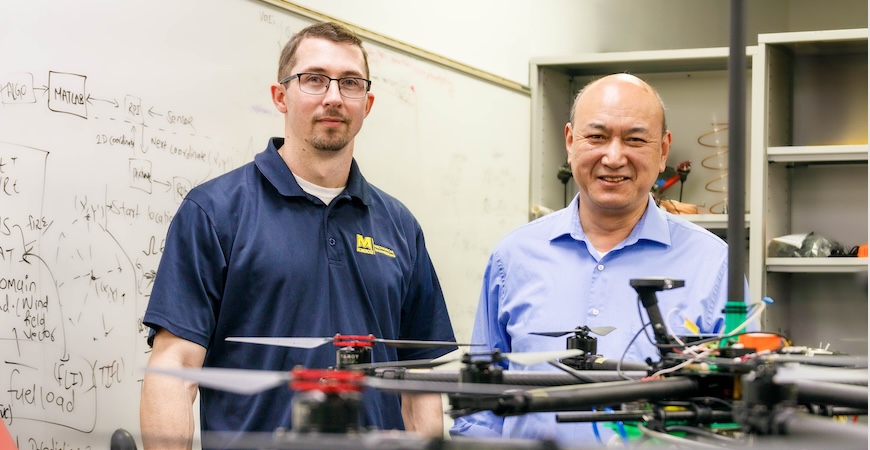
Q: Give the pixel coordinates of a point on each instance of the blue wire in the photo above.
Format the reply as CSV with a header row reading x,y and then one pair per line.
x,y
595,431
620,427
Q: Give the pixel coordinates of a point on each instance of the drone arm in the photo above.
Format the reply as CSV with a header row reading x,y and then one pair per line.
x,y
578,375
614,364
711,416
516,377
824,430
823,393
572,398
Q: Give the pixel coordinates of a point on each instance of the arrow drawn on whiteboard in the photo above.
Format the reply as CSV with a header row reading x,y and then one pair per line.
x,y
28,252
28,247
44,89
112,101
151,111
105,331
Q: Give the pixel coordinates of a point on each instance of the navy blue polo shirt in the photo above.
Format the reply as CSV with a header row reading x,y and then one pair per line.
x,y
249,253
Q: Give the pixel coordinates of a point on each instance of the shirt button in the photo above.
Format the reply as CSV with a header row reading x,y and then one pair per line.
x,y
601,267
594,311
331,241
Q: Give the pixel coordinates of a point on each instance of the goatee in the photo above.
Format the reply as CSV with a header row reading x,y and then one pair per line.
x,y
333,141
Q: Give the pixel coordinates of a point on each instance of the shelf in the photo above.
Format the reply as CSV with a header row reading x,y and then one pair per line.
x,y
817,265
682,60
818,41
818,153
712,221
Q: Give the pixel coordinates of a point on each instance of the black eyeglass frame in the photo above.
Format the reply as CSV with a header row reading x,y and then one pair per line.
x,y
289,78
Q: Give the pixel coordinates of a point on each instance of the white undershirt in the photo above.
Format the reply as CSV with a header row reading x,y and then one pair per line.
x,y
325,194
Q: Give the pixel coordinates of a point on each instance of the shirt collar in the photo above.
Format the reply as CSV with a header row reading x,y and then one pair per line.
x,y
273,167
652,226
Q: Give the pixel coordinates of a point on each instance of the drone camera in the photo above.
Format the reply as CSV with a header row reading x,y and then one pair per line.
x,y
661,283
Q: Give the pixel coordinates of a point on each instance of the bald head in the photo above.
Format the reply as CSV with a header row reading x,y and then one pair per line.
x,y
620,82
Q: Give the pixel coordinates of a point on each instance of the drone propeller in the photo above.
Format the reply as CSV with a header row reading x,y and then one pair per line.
x,y
338,339
406,364
238,381
601,331
521,358
247,381
302,342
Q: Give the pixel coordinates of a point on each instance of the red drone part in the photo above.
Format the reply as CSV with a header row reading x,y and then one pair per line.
x,y
326,380
341,340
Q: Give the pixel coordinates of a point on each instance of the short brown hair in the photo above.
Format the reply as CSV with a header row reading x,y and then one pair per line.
x,y
325,30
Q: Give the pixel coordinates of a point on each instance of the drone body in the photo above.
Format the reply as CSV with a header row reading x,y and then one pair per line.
x,y
716,390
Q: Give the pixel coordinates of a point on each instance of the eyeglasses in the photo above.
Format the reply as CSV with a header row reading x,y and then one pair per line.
x,y
316,84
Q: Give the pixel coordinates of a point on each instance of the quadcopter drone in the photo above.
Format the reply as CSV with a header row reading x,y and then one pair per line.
x,y
709,391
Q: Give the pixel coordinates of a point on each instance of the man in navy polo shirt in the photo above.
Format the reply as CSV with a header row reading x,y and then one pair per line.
x,y
296,243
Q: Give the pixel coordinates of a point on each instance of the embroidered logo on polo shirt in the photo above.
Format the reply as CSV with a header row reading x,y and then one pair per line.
x,y
365,244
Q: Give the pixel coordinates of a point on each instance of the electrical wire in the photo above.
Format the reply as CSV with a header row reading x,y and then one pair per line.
x,y
704,354
674,439
719,338
702,432
595,430
712,399
672,334
625,352
756,311
620,428
640,314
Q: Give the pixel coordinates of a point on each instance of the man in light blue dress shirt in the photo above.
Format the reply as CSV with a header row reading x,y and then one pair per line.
x,y
572,267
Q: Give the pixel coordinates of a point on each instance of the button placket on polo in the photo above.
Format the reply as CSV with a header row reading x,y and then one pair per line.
x,y
594,300
332,235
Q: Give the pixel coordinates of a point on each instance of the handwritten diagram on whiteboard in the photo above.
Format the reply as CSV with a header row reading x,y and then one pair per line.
x,y
110,112
81,233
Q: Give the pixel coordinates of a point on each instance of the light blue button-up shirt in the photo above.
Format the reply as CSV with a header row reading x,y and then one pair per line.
x,y
546,276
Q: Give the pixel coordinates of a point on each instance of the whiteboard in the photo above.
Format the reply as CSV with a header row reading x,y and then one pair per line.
x,y
110,112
